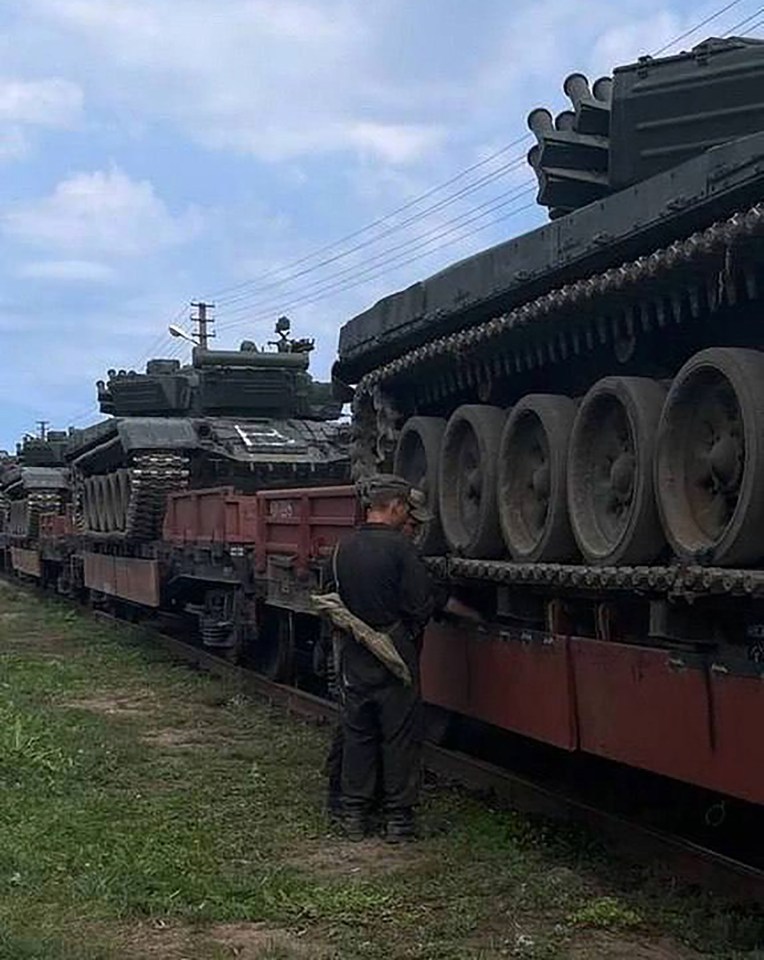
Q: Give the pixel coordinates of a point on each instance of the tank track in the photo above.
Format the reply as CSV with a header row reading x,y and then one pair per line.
x,y
677,581
100,511
614,305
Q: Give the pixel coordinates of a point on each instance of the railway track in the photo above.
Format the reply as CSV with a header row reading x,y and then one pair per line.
x,y
671,855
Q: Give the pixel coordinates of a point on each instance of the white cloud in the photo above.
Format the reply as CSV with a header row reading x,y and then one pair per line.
x,y
14,145
68,270
46,103
97,215
396,143
276,79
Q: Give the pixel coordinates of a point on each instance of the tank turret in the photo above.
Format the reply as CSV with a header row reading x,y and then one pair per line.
x,y
248,417
246,383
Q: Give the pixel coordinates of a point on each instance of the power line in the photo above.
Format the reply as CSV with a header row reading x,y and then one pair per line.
x,y
257,299
410,204
441,204
500,200
754,26
697,27
341,288
159,340
177,349
383,258
383,219
742,23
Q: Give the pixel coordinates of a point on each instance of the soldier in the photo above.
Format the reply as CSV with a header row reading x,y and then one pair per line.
x,y
385,586
333,765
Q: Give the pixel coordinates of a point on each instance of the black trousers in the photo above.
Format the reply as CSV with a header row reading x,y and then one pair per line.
x,y
381,726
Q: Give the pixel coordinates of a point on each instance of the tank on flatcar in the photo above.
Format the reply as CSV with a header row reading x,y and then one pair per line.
x,y
33,482
247,419
592,393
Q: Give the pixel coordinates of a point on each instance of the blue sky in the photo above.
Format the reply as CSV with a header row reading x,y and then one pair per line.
x,y
153,152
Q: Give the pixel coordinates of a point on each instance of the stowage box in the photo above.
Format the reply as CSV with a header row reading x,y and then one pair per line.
x,y
666,111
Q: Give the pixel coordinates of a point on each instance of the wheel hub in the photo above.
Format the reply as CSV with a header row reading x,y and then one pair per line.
x,y
540,483
622,475
724,460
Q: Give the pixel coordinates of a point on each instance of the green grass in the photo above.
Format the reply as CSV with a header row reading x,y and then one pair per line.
x,y
146,810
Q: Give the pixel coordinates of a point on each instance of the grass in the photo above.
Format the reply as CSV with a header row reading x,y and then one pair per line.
x,y
146,810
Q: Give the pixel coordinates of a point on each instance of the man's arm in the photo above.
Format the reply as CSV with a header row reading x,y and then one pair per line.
x,y
418,592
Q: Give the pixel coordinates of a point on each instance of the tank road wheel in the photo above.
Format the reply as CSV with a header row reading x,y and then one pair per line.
x,y
533,507
103,503
610,472
710,458
110,502
417,459
97,503
467,481
84,504
122,478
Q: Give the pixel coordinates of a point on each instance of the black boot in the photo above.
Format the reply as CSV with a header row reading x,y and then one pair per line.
x,y
355,824
400,826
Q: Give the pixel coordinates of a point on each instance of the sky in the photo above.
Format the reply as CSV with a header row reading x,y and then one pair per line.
x,y
254,153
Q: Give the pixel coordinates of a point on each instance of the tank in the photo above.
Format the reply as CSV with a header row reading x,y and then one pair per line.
x,y
591,394
33,482
247,419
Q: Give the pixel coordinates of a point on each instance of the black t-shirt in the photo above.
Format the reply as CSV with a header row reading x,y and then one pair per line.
x,y
382,580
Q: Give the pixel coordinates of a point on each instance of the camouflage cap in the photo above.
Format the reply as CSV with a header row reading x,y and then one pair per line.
x,y
383,483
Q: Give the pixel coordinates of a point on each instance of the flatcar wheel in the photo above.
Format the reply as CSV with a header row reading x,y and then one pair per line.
x,y
710,458
533,508
273,653
467,481
417,459
611,502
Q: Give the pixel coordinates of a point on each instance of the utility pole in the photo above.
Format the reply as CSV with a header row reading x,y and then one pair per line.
x,y
202,320
43,425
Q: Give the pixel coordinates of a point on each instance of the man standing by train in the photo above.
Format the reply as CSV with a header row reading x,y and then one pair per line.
x,y
383,583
